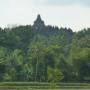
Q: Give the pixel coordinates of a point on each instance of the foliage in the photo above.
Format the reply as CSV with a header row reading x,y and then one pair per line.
x,y
41,53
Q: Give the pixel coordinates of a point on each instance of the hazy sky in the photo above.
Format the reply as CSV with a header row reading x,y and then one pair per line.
x,y
63,13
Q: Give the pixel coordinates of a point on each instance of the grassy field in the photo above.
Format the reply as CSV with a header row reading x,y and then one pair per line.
x,y
43,86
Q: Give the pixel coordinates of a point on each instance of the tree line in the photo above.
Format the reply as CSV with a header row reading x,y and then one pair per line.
x,y
44,54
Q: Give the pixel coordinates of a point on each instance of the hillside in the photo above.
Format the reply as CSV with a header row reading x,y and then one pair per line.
x,y
44,53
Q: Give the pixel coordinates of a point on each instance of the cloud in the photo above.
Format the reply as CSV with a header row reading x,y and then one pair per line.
x,y
65,13
62,2
73,16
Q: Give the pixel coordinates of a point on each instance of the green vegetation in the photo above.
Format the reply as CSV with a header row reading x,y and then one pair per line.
x,y
41,53
43,86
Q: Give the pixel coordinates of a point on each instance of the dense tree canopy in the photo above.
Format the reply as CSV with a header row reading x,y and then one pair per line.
x,y
44,54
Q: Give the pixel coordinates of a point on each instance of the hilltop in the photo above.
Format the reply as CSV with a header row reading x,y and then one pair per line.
x,y
44,53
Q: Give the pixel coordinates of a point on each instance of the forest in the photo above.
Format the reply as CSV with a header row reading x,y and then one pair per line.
x,y
44,53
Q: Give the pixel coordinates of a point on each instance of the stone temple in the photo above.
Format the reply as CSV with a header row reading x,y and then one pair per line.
x,y
38,23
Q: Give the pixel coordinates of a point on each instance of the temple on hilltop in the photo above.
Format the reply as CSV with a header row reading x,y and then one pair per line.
x,y
40,27
38,23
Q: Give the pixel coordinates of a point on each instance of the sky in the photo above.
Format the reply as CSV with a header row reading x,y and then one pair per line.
x,y
74,14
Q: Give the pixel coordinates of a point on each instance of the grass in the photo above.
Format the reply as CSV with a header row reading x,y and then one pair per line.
x,y
43,86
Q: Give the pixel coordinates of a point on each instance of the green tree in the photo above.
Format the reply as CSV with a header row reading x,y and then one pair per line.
x,y
54,75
